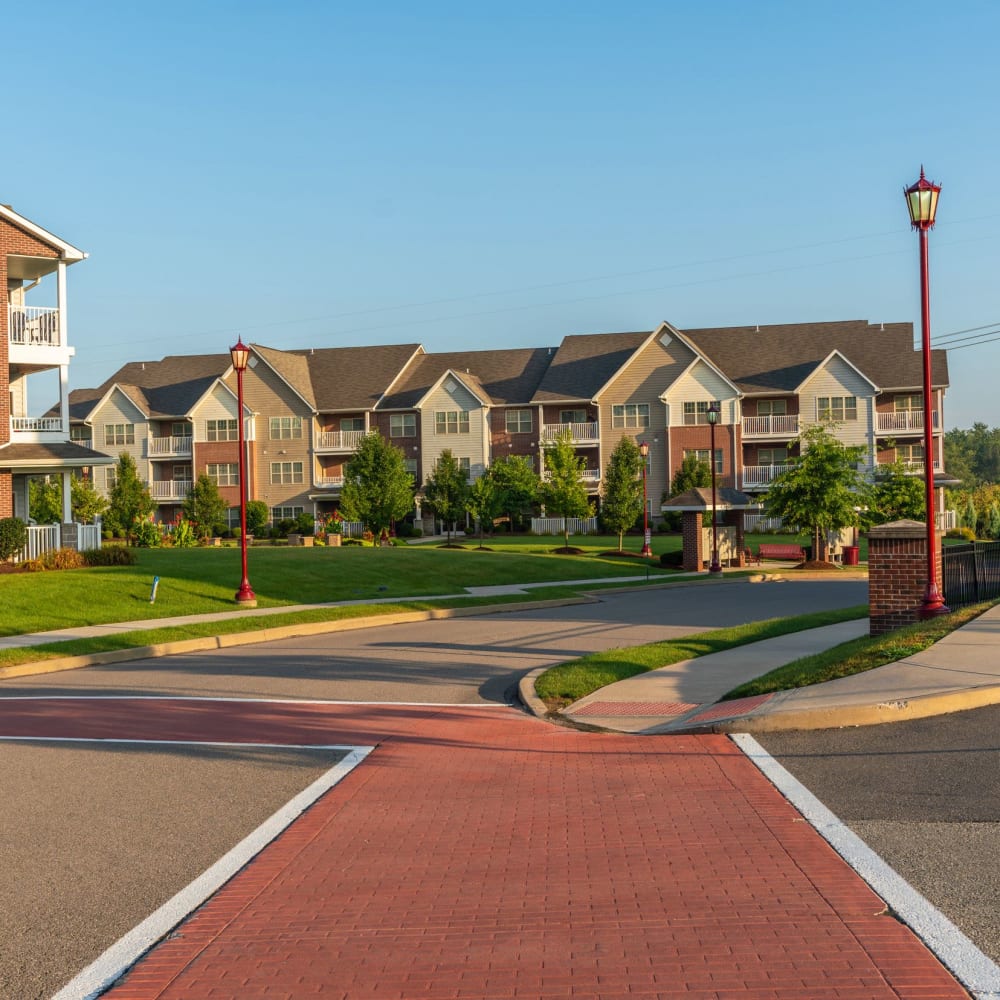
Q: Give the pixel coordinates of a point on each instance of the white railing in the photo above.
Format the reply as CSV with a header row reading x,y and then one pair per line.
x,y
761,475
339,440
771,426
44,538
33,325
946,520
909,468
755,523
586,476
353,529
329,482
557,525
88,536
36,423
578,432
164,446
170,489
904,420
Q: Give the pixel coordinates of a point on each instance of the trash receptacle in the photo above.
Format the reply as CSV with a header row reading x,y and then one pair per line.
x,y
808,550
851,555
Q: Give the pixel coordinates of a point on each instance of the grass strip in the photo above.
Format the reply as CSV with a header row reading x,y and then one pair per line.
x,y
568,682
859,655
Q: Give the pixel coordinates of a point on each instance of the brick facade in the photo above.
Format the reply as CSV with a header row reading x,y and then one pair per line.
x,y
692,555
897,574
698,437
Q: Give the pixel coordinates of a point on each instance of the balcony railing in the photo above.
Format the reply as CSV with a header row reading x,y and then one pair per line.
x,y
579,433
164,447
33,325
36,424
173,489
329,482
904,421
761,475
910,468
772,426
586,476
339,440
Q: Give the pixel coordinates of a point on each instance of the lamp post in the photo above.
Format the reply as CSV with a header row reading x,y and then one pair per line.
x,y
245,597
647,549
921,200
713,413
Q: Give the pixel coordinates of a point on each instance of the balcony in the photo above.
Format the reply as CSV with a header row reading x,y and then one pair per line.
x,y
589,476
169,447
758,477
910,468
328,482
35,425
33,325
579,433
165,491
775,426
904,422
339,440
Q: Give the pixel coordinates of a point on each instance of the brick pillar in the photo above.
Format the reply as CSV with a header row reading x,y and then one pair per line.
x,y
693,557
6,492
897,574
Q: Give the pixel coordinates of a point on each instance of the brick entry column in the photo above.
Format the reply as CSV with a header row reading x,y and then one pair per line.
x,y
897,574
692,556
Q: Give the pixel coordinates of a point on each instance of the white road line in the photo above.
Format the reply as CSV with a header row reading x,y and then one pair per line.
x,y
247,701
978,973
124,953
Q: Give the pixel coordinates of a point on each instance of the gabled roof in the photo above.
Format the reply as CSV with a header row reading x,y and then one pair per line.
x,y
67,251
700,498
292,368
584,364
835,354
471,383
778,359
506,377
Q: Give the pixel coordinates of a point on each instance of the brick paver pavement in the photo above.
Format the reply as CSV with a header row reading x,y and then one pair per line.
x,y
479,853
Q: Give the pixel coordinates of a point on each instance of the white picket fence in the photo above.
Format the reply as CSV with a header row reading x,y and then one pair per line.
x,y
44,538
557,525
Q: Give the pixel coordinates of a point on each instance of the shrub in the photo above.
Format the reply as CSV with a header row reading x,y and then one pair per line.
x,y
967,533
672,558
109,555
281,529
147,535
13,537
56,559
352,541
258,515
305,524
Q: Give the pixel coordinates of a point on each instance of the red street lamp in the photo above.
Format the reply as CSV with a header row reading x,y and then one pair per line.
x,y
921,200
245,596
647,549
713,413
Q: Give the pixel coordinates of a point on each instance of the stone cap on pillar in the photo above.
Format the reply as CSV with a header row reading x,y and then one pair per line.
x,y
899,529
700,498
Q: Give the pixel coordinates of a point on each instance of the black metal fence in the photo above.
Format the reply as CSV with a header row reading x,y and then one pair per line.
x,y
970,573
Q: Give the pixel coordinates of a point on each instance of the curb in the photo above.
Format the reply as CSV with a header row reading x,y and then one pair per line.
x,y
530,700
58,664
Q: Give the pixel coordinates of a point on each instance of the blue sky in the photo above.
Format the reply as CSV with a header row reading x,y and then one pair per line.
x,y
484,175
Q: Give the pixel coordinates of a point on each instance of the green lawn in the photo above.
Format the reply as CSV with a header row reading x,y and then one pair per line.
x,y
199,581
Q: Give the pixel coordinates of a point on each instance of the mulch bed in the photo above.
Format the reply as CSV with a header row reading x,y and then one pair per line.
x,y
819,564
568,550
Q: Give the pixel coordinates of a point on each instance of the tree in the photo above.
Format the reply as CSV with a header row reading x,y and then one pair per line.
x,y
45,500
88,504
377,488
621,492
562,491
257,515
822,489
447,490
205,508
518,484
895,496
692,473
993,521
130,501
484,501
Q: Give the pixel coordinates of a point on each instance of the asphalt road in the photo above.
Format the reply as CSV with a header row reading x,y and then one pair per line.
x,y
925,795
98,836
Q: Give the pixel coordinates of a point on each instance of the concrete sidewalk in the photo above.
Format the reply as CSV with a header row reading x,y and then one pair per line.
x,y
961,671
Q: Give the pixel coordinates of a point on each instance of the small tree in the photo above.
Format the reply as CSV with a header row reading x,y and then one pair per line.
x,y
484,501
822,488
693,473
447,490
377,488
621,493
257,515
45,500
205,507
13,537
562,491
87,503
970,519
993,521
518,483
130,499
895,496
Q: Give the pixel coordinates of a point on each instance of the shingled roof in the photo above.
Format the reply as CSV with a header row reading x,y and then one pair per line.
x,y
779,358
584,364
506,377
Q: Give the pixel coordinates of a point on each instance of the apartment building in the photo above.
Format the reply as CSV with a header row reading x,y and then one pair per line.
x,y
307,410
35,354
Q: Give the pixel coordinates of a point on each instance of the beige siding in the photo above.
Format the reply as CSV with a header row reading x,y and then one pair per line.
x,y
119,409
219,404
452,395
838,378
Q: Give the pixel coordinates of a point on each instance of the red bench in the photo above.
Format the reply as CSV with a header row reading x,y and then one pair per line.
x,y
768,551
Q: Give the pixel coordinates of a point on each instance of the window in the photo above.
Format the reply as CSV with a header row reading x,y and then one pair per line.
x,y
181,472
772,407
466,466
451,422
837,408
79,432
286,472
402,425
572,416
180,429
519,422
410,464
119,434
225,473
110,477
909,453
352,424
697,412
630,415
285,513
702,455
285,428
772,456
909,403
221,430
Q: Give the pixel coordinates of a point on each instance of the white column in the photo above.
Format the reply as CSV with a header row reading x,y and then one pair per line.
x,y
61,303
67,497
64,398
